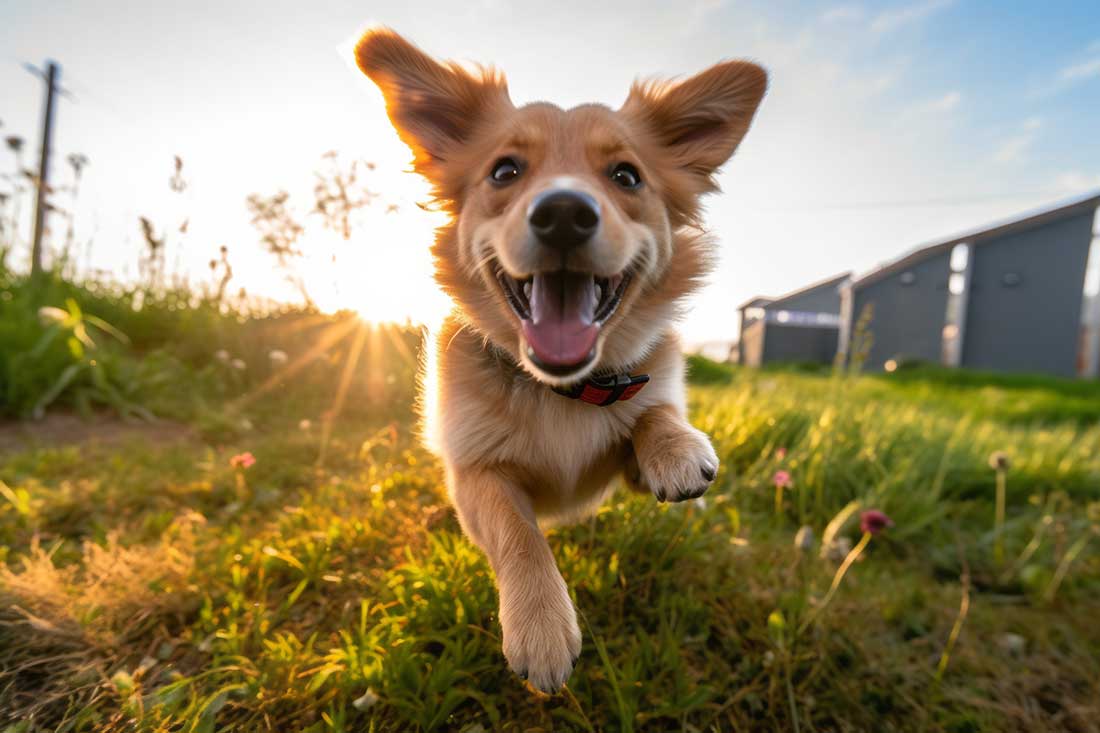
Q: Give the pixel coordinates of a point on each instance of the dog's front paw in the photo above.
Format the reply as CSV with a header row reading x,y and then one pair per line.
x,y
681,466
541,638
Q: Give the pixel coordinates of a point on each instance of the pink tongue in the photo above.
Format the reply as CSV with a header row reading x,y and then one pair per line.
x,y
561,331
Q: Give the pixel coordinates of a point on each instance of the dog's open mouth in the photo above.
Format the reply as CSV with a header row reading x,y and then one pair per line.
x,y
561,314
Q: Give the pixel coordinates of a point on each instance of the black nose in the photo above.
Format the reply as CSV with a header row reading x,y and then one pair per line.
x,y
563,219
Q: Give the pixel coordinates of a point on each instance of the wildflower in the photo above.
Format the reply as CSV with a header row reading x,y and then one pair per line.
x,y
804,539
366,700
999,461
780,453
278,357
243,460
222,355
304,425
782,480
838,549
873,521
1014,644
48,315
239,365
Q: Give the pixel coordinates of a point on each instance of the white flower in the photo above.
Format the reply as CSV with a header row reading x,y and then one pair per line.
x,y
222,355
48,315
366,700
239,365
278,357
804,540
1014,644
839,549
304,425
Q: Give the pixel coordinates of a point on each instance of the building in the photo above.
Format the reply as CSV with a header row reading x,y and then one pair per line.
x,y
802,326
1019,296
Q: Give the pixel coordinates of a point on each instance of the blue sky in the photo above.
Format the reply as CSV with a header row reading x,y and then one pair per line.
x,y
888,124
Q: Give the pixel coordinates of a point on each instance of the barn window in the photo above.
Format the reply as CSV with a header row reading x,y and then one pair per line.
x,y
954,329
960,254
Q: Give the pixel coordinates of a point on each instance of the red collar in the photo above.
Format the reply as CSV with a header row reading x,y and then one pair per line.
x,y
604,391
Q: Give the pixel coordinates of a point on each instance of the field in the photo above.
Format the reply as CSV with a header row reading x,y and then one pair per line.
x,y
216,526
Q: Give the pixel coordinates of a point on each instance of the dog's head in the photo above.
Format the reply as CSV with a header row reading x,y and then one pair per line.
x,y
573,232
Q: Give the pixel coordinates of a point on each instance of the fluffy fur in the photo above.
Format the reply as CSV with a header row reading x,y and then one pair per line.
x,y
516,453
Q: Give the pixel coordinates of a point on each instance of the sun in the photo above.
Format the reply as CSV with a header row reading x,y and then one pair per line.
x,y
383,272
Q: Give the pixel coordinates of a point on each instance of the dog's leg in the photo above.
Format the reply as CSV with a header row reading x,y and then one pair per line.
x,y
675,460
541,638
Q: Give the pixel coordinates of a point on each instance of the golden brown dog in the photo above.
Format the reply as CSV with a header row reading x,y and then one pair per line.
x,y
574,237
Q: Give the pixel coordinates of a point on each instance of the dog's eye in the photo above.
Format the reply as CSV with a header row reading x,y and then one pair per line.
x,y
506,170
626,175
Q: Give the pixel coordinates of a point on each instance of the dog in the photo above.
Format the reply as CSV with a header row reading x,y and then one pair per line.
x,y
574,237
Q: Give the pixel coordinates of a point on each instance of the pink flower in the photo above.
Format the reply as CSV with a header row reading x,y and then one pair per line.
x,y
782,480
780,453
873,521
243,460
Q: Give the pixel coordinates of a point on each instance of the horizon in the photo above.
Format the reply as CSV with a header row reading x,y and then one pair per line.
x,y
886,126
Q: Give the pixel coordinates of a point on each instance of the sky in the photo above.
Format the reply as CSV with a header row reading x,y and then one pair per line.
x,y
886,125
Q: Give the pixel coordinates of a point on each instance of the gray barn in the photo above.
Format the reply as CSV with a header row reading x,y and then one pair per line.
x,y
802,326
1012,297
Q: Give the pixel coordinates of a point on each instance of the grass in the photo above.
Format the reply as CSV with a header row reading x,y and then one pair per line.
x,y
149,585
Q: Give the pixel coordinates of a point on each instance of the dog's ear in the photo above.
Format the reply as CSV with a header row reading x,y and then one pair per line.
x,y
434,106
701,120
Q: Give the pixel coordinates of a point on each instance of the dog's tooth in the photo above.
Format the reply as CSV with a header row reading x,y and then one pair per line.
x,y
599,292
527,290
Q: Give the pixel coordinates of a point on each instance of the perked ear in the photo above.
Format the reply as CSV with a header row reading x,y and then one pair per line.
x,y
434,107
702,119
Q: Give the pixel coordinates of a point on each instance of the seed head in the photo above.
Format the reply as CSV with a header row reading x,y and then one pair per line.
x,y
999,461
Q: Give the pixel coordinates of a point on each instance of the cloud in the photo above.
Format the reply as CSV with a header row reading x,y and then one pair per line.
x,y
1080,72
1014,148
843,14
947,102
892,20
1085,68
1077,181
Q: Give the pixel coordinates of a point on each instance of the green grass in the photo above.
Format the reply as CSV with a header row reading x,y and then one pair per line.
x,y
146,584
147,587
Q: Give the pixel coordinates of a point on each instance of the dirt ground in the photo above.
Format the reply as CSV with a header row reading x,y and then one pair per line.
x,y
61,429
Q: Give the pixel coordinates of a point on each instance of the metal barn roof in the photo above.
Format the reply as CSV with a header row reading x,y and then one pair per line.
x,y
1046,216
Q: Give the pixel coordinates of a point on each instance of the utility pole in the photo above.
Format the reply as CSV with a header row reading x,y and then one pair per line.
x,y
52,72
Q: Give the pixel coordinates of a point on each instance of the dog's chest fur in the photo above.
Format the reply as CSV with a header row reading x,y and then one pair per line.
x,y
485,411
